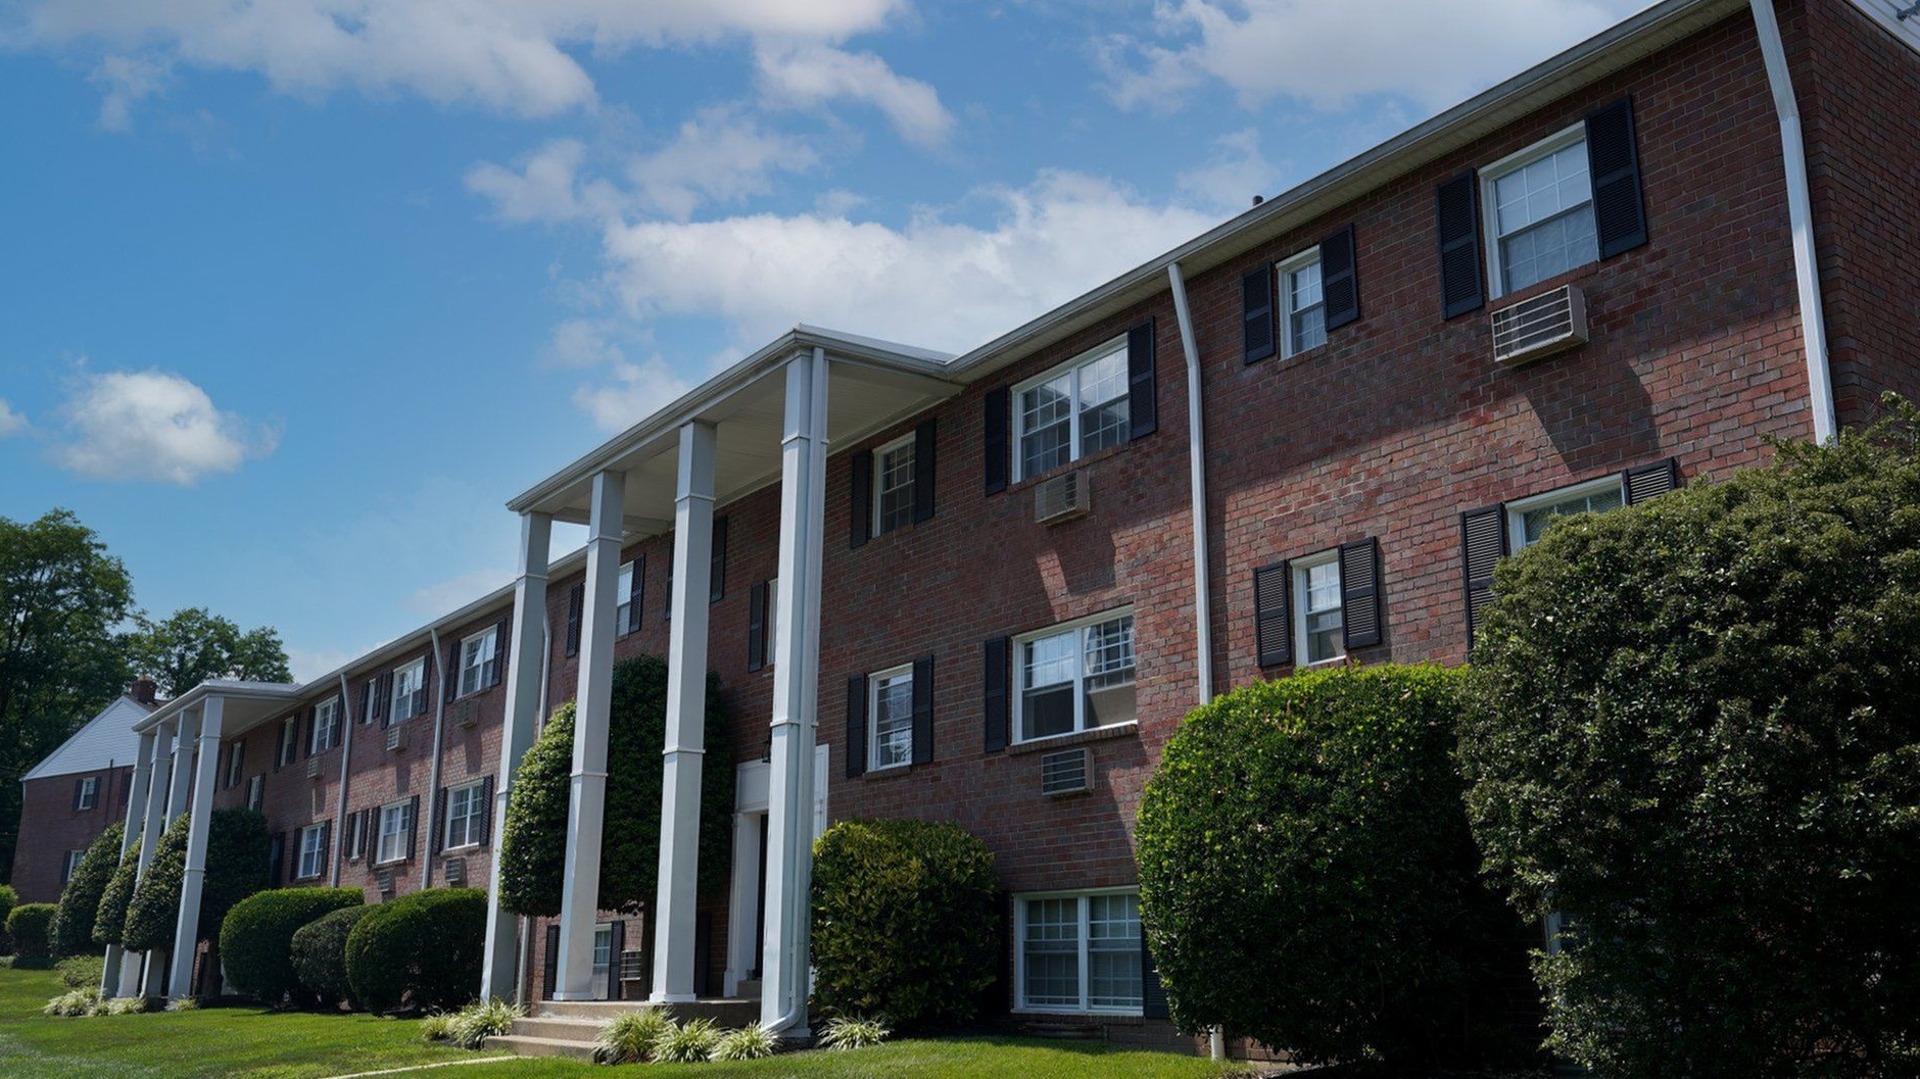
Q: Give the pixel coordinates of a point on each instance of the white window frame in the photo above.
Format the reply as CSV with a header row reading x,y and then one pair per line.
x,y
622,613
473,822
417,671
1020,902
1518,509
401,811
1490,207
1284,271
891,674
286,748
602,973
326,718
236,763
309,840
257,792
71,866
1302,569
1074,435
1078,626
489,648
89,794
881,490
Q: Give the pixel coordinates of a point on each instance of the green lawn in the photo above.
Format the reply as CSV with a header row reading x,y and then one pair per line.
x,y
277,1045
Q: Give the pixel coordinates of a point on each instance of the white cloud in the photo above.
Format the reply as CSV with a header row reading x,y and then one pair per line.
x,y
1434,52
808,75
126,81
637,391
718,156
583,342
507,55
11,422
545,186
1236,172
149,425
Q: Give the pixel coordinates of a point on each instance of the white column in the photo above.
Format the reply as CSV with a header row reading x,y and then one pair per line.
x,y
525,654
112,984
166,753
743,907
182,779
580,894
186,931
678,891
796,684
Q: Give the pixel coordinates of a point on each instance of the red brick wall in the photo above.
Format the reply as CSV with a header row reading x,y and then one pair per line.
x,y
50,827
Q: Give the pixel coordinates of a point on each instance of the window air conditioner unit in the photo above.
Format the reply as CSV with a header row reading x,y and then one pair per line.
x,y
313,768
396,739
1062,498
465,714
383,879
1540,326
455,871
1065,773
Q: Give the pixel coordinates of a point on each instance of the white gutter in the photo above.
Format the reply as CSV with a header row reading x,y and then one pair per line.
x,y
433,772
340,803
1197,466
1806,266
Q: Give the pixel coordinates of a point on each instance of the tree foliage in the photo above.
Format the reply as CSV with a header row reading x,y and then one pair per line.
x,y
193,645
237,850
110,917
1307,876
80,899
1693,734
533,844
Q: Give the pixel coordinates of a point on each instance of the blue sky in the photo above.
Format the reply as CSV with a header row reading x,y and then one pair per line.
x,y
294,295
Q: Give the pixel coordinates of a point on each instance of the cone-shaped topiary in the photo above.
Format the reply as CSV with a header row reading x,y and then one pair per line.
x,y
72,930
237,850
110,917
155,906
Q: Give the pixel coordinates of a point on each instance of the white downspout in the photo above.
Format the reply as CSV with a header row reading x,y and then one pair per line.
x,y
1202,576
340,803
433,771
1806,266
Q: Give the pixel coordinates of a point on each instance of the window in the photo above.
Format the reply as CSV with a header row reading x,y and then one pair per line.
x,y
396,833
288,747
71,866
1528,519
890,718
313,851
326,725
893,485
1303,303
1072,410
236,759
602,959
86,793
1319,617
256,793
622,616
1080,953
1076,677
1540,221
466,809
409,690
478,655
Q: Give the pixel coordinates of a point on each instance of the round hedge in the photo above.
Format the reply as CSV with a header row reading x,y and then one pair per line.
x,y
318,952
1694,734
533,844
256,939
237,851
906,922
421,951
29,924
72,930
110,917
1307,877
8,900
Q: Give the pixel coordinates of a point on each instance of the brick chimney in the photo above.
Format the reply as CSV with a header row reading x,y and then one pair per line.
x,y
144,690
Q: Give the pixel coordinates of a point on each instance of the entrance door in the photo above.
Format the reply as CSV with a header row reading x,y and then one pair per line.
x,y
602,960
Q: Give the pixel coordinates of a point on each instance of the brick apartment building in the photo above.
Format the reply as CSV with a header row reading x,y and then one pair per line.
x,y
70,797
1015,570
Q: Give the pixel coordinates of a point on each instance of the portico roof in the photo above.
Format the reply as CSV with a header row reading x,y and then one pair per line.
x,y
243,705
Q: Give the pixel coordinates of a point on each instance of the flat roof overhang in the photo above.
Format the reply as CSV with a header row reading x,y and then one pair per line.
x,y
243,705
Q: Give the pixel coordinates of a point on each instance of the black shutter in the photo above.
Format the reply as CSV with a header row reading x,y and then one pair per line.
x,y
383,699
1339,279
619,932
1256,314
486,811
637,593
1153,995
1360,593
500,638
1613,163
1483,542
420,695
366,701
576,596
717,581
326,845
1462,288
1273,614
78,786
305,746
1143,408
1649,481
450,676
553,961
757,626
276,858
860,500
413,825
996,442
924,438
996,703
856,725
923,710
437,827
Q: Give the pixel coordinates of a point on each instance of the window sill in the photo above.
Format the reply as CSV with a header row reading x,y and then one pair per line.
x,y
1126,1018
1089,460
889,772
1544,285
460,848
1130,729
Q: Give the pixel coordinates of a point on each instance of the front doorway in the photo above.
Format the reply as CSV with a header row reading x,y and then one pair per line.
x,y
746,921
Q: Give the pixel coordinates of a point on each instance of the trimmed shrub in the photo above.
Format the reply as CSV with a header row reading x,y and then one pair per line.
x,y
237,850
256,940
318,953
155,906
421,951
1307,877
81,971
72,929
1692,733
905,921
9,899
29,924
533,843
110,917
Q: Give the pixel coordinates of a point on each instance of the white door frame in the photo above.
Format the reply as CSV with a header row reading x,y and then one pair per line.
x,y
750,784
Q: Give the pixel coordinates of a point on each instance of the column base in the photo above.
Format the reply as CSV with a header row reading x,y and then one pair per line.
x,y
673,998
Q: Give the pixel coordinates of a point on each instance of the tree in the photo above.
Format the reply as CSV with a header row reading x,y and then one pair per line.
x,y
194,645
80,899
61,597
1693,735
238,847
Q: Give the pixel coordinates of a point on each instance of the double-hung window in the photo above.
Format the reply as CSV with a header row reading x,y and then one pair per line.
x,y
478,654
288,747
396,832
409,691
71,866
1080,953
1076,677
623,614
465,811
257,793
326,725
236,761
313,851
1319,617
893,485
1078,408
890,718
86,793
1529,518
1540,221
1303,303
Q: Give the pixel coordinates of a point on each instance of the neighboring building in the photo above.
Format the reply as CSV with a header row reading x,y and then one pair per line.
x,y
69,798
1017,569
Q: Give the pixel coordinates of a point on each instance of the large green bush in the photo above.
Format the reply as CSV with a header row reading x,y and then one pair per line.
x,y
237,850
905,921
1694,735
1307,877
155,906
319,954
421,951
72,930
110,917
256,939
29,925
533,844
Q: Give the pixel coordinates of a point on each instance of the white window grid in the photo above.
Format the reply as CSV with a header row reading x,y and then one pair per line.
x,y
1538,212
1303,304
71,867
256,793
890,718
408,679
1076,409
622,615
396,824
1529,518
289,745
1088,658
326,725
89,793
893,485
465,813
1317,614
312,855
236,760
1079,952
477,657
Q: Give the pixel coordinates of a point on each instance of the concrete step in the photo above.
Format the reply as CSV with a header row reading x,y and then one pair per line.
x,y
540,1047
559,1029
750,989
727,1013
